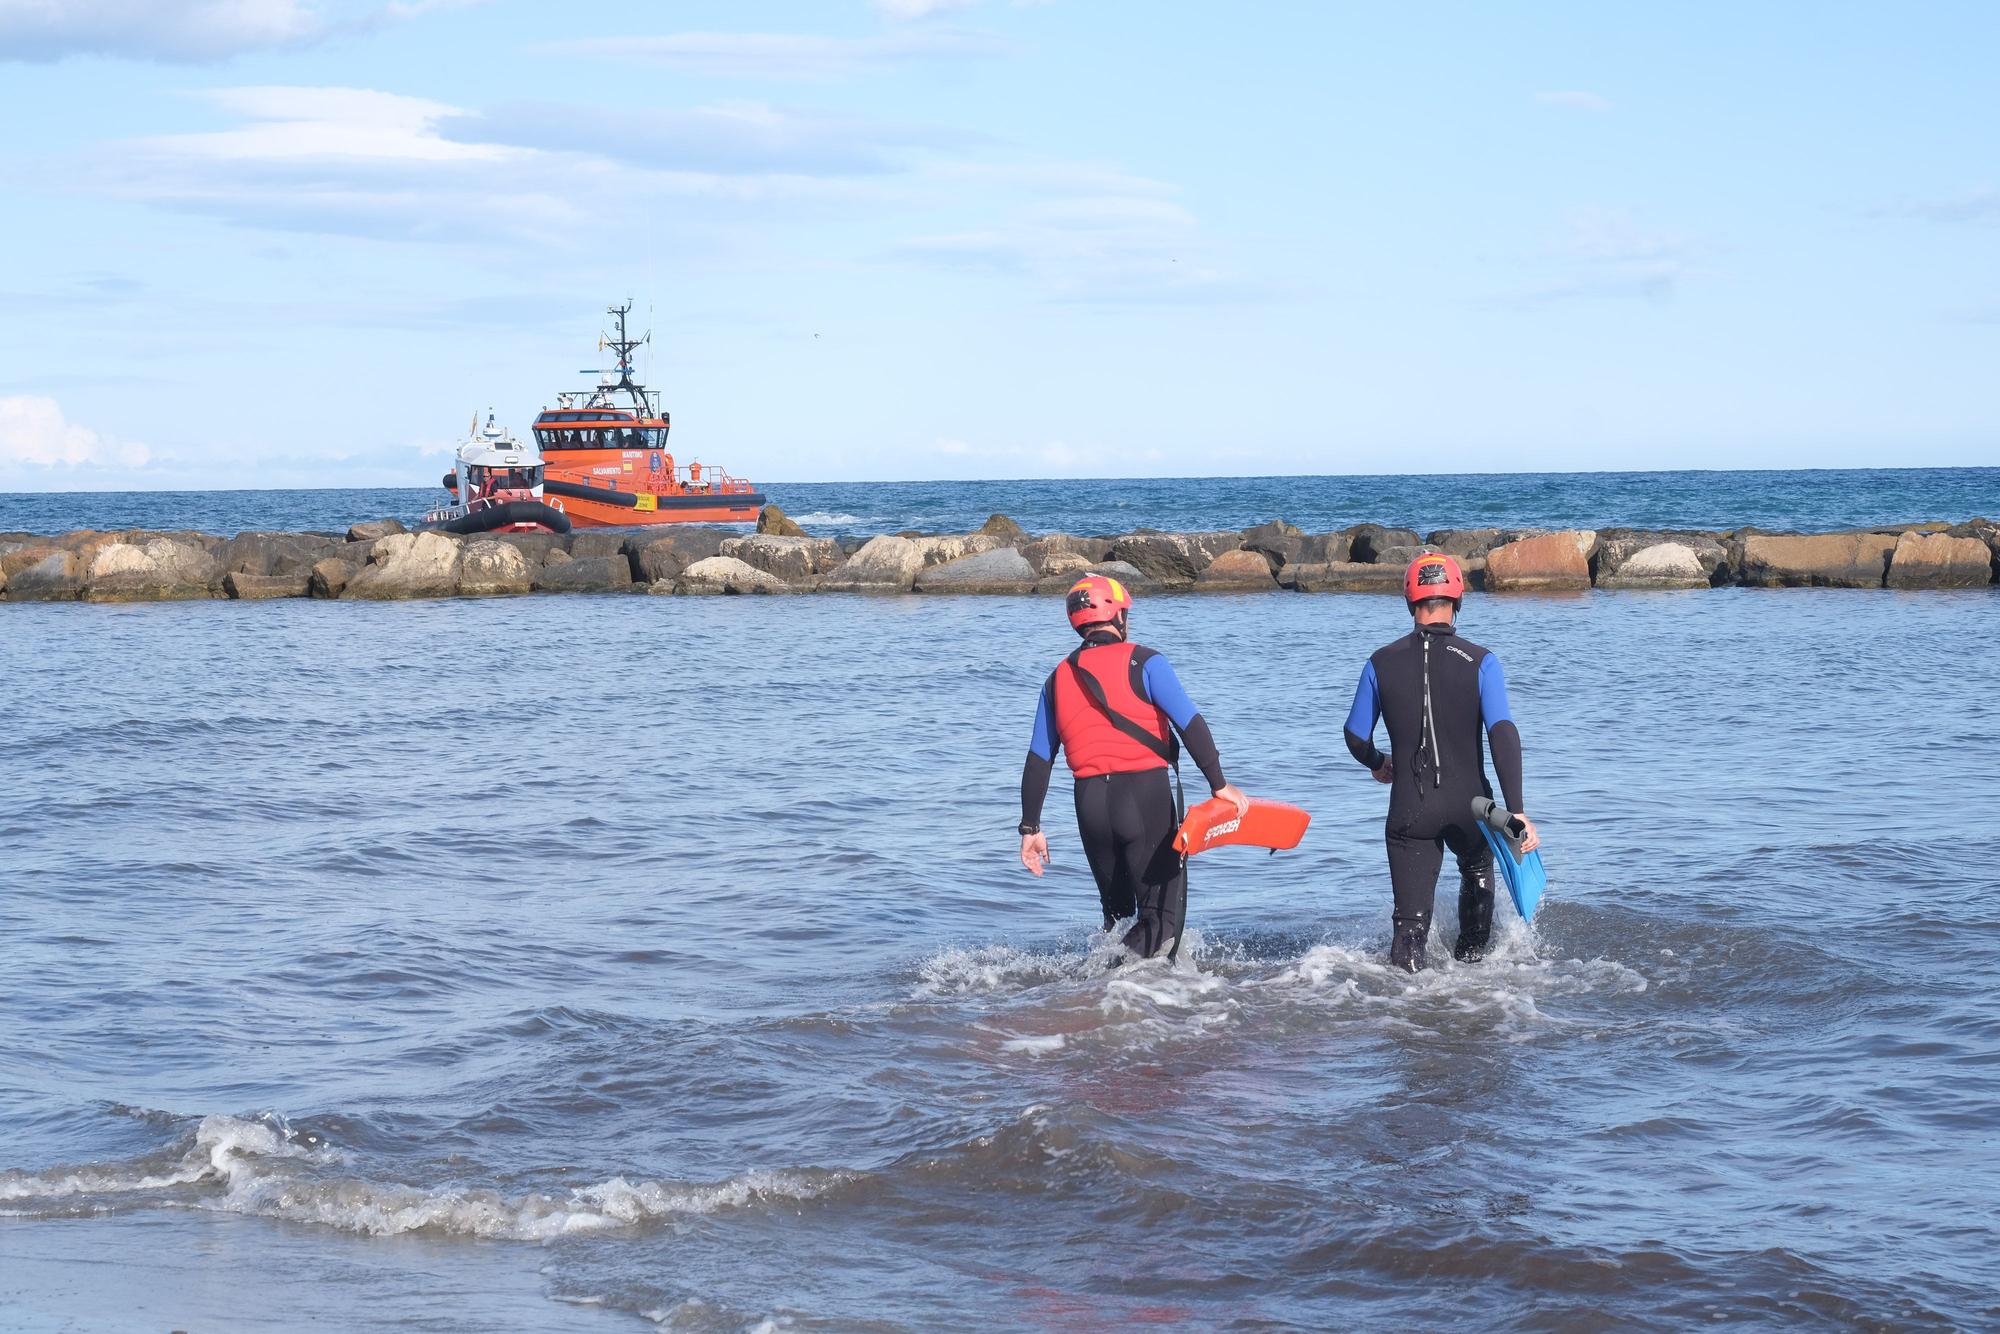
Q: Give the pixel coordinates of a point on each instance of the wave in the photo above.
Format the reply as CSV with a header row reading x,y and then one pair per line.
x,y
262,1166
823,518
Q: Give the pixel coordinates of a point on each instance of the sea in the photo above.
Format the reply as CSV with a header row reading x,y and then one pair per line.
x,y
606,963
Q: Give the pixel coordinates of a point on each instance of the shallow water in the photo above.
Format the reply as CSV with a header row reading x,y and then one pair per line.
x,y
565,963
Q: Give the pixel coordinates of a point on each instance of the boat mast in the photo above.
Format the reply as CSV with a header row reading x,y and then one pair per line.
x,y
624,345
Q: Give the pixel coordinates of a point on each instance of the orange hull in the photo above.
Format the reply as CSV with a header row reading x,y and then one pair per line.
x,y
630,488
587,513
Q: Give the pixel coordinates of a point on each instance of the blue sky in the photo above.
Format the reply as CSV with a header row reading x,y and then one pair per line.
x,y
301,242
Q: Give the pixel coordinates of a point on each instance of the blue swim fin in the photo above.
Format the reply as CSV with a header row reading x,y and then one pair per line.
x,y
1525,877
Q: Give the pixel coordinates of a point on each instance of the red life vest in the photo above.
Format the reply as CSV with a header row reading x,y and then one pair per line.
x,y
1091,743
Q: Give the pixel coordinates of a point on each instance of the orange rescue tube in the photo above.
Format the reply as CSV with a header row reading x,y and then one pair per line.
x,y
1267,824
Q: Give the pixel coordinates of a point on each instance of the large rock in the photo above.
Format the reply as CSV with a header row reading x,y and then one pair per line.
x,y
1342,576
1040,551
1003,570
1173,559
938,548
723,574
278,553
56,577
534,547
884,565
1464,544
1367,541
330,577
368,532
693,542
258,587
798,561
1277,541
408,565
1237,572
1940,561
1004,530
774,521
1608,565
490,568
586,574
1829,560
595,543
1062,565
1548,561
163,569
1130,575
18,556
1658,565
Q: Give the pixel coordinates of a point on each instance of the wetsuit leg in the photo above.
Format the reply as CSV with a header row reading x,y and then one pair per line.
x,y
1096,825
1127,823
1413,871
1475,892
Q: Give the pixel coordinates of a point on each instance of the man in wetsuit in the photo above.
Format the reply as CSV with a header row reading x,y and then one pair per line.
x,y
1437,691
1114,706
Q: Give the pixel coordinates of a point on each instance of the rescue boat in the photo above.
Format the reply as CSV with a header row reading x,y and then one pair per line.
x,y
608,459
496,487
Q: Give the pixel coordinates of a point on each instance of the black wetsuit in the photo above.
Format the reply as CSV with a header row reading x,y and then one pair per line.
x,y
1127,819
1438,693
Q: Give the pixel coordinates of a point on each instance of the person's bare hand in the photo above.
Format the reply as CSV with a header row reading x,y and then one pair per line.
x,y
1035,851
1387,773
1531,837
1230,793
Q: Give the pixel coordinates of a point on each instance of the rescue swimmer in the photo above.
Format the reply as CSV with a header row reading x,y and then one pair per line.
x,y
1437,691
1115,708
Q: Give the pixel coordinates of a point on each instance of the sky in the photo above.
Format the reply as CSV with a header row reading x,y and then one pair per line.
x,y
277,243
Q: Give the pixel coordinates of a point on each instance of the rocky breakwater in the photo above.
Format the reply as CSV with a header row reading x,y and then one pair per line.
x,y
383,561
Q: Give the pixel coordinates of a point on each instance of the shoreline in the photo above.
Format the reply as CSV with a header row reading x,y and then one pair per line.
x,y
382,560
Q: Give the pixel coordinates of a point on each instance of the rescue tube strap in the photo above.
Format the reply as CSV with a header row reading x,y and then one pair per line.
x,y
1168,750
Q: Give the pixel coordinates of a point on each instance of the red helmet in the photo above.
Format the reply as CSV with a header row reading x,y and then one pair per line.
x,y
1096,599
1433,575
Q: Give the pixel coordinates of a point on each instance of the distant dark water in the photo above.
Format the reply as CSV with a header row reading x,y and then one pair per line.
x,y
1806,500
582,962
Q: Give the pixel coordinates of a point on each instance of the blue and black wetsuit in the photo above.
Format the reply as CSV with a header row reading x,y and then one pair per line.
x,y
1125,811
1443,697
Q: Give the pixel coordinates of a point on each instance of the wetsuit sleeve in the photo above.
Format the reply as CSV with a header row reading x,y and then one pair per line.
x,y
1165,690
1502,737
1362,716
1041,757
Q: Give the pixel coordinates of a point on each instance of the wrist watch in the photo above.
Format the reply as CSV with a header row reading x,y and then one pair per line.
x,y
1025,829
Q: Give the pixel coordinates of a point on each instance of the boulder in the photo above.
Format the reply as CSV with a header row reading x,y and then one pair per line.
x,y
1828,560
56,577
796,560
595,543
492,568
1658,565
586,574
1130,575
775,522
723,574
329,578
257,587
276,553
1366,541
1940,561
939,548
408,565
1279,542
1464,544
1062,565
691,542
1548,561
164,569
368,532
1173,559
1002,570
1614,553
18,556
659,562
1004,531
1400,557
1342,576
1041,550
1237,571
534,547
555,556
884,565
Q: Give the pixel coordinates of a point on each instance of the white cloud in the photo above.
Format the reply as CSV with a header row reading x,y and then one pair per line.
x,y
774,55
1975,206
34,431
300,124
1575,99
188,31
919,9
1606,255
